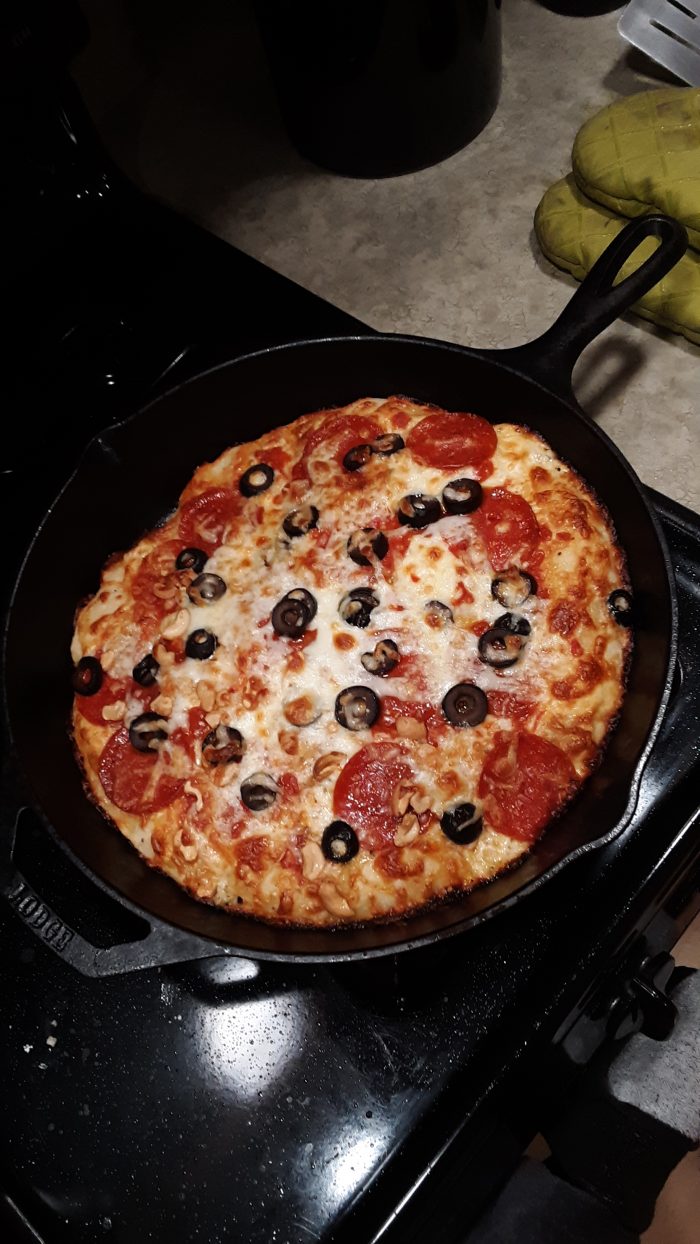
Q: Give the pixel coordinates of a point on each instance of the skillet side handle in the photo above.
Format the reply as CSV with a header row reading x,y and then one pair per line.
x,y
550,359
161,945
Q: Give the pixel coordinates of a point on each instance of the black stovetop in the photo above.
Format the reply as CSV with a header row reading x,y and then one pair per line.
x,y
227,1100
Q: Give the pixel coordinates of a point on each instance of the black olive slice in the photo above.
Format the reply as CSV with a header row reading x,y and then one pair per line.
x,y
621,606
462,824
513,622
191,559
465,705
438,614
356,606
290,617
145,732
146,672
383,660
462,496
388,443
512,587
500,648
298,522
256,479
87,676
367,544
357,457
418,510
201,644
222,746
357,708
339,842
259,791
206,588
300,593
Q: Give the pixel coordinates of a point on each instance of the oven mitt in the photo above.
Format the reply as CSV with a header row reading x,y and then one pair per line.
x,y
572,232
642,154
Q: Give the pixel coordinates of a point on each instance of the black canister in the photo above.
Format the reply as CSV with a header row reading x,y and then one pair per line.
x,y
374,88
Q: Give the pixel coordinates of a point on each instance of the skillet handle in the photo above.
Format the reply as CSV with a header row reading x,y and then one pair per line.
x,y
161,945
597,302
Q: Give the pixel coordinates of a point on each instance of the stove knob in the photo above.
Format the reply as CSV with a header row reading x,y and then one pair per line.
x,y
642,1005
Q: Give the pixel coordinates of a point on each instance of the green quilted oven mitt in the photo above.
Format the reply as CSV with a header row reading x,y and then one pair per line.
x,y
573,232
642,154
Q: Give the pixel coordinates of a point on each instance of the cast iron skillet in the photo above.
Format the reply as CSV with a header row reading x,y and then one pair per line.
x,y
131,476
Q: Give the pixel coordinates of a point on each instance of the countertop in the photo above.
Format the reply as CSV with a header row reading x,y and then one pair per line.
x,y
188,111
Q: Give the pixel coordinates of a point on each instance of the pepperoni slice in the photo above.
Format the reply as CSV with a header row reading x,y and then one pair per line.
x,y
524,781
344,431
127,777
156,587
508,528
204,520
449,441
362,795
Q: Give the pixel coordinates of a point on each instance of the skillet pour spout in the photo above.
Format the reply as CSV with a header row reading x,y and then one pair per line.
x,y
532,383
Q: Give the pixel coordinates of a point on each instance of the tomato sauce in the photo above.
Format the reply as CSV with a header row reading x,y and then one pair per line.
x,y
428,714
288,785
462,596
505,704
479,628
563,619
588,673
394,863
197,729
276,457
251,853
398,547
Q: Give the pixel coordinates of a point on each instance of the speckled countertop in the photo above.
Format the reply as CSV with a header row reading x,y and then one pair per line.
x,y
448,252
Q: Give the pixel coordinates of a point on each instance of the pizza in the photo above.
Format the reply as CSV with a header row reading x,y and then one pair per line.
x,y
363,665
